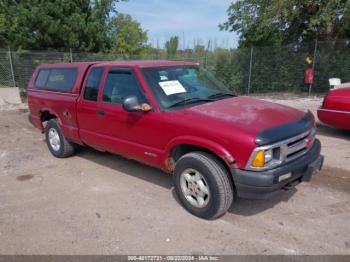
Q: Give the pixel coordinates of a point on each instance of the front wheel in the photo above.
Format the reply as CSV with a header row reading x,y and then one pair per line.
x,y
58,145
203,185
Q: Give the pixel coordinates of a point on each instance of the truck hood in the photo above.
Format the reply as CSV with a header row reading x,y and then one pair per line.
x,y
247,114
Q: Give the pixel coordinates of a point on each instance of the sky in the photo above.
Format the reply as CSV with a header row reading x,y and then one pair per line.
x,y
194,21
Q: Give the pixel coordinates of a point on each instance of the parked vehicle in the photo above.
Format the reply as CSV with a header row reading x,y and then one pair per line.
x,y
176,116
335,110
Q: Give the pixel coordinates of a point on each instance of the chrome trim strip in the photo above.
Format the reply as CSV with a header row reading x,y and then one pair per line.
x,y
294,148
334,111
52,92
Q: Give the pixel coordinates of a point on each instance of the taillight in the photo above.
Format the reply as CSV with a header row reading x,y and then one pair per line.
x,y
324,100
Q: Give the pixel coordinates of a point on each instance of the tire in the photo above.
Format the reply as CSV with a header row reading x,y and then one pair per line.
x,y
214,180
58,145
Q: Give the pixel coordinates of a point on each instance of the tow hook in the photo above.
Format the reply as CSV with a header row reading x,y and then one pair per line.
x,y
291,185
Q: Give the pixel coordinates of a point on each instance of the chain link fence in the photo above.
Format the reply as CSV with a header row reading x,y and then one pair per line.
x,y
245,70
281,69
6,70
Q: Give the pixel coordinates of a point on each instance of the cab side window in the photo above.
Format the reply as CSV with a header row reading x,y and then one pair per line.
x,y
93,84
120,85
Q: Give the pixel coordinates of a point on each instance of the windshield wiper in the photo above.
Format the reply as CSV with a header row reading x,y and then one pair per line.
x,y
220,94
190,100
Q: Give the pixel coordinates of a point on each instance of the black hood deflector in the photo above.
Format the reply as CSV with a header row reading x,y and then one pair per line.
x,y
279,133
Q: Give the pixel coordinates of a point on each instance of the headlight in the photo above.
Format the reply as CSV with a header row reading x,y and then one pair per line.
x,y
264,158
268,155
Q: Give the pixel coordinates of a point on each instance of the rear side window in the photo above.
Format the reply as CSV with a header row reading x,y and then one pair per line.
x,y
42,78
93,84
60,79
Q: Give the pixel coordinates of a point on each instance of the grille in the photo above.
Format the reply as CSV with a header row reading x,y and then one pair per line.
x,y
297,146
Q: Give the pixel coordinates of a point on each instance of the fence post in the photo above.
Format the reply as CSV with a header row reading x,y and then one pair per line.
x,y
313,64
71,55
11,67
250,70
205,54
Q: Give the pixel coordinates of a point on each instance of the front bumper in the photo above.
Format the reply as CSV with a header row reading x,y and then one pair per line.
x,y
257,185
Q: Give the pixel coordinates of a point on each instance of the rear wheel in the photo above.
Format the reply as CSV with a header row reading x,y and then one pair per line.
x,y
58,145
203,185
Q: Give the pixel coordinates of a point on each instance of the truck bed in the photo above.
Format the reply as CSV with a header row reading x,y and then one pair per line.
x,y
60,102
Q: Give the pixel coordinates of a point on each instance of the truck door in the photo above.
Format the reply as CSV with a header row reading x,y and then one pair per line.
x,y
131,134
87,108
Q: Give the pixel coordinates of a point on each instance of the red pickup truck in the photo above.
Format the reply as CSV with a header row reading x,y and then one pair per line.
x,y
176,116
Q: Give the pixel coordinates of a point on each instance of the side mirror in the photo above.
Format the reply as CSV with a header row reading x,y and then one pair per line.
x,y
132,104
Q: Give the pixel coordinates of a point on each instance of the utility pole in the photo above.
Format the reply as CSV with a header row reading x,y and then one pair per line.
x,y
158,56
71,55
205,55
183,41
313,63
250,70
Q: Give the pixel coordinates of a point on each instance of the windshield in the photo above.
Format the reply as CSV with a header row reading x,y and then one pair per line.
x,y
178,86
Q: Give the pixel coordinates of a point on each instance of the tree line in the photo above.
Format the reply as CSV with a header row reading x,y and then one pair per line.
x,y
81,25
282,34
97,26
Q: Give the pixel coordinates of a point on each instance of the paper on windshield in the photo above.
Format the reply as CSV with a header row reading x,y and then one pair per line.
x,y
172,87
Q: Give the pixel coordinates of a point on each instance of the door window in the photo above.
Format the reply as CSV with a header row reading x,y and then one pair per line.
x,y
120,85
93,84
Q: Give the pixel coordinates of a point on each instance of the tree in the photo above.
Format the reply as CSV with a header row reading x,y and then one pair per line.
x,y
127,36
280,22
34,24
171,46
199,49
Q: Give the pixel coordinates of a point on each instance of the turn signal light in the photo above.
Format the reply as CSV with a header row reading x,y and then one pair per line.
x,y
259,159
146,107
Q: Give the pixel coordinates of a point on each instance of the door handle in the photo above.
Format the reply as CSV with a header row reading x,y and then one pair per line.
x,y
101,113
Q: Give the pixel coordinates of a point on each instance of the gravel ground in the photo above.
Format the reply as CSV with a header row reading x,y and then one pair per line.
x,y
98,203
5,106
308,103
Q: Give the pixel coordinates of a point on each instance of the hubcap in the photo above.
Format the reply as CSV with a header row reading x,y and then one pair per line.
x,y
195,188
54,139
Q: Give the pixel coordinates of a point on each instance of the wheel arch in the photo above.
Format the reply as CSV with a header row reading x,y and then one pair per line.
x,y
46,114
183,145
43,115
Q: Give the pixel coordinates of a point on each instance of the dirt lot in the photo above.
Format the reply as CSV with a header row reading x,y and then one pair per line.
x,y
98,203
